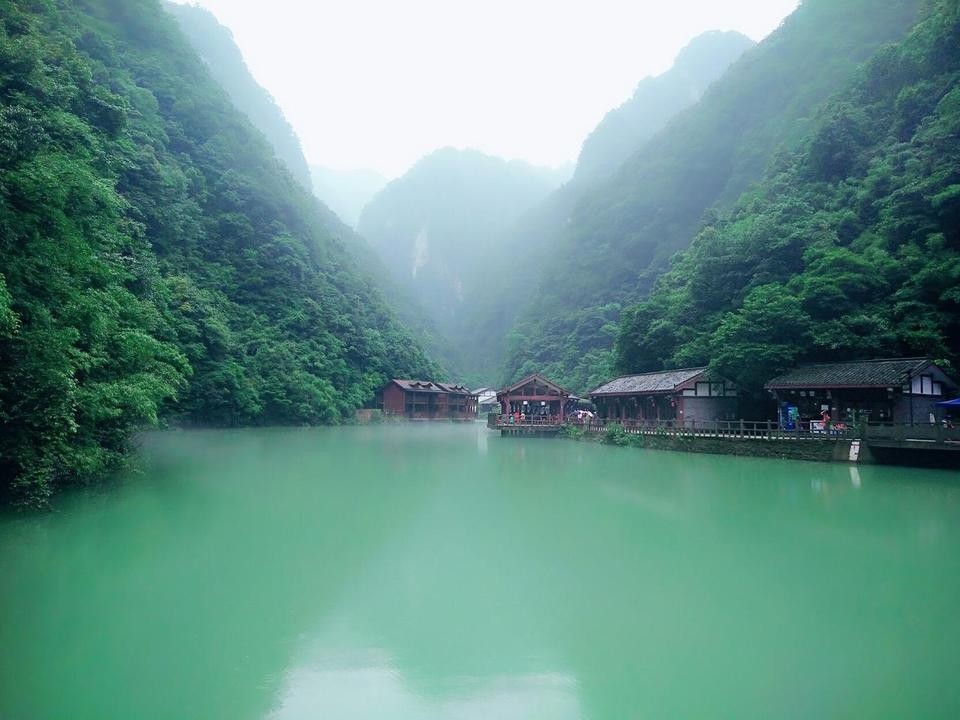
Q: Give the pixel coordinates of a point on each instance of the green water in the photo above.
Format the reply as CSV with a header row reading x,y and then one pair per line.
x,y
444,572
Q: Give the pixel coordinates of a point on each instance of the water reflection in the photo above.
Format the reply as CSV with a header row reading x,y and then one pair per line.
x,y
855,477
368,685
408,573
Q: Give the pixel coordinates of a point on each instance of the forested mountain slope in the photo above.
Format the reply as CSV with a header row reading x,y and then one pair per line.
x,y
621,233
215,45
442,230
491,312
850,248
156,257
656,100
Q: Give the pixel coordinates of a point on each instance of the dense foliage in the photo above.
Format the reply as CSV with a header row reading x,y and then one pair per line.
x,y
622,232
215,45
224,60
849,249
154,256
439,225
625,129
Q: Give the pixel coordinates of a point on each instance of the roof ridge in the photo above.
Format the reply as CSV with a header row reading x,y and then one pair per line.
x,y
872,360
659,372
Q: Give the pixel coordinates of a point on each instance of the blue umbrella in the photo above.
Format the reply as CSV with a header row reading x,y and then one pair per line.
x,y
955,403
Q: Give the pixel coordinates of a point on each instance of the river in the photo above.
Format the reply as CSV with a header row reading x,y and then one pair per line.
x,y
428,572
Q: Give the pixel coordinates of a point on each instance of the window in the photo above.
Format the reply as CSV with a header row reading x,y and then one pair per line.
x,y
924,385
708,389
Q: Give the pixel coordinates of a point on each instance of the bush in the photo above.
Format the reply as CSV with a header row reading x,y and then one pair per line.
x,y
615,435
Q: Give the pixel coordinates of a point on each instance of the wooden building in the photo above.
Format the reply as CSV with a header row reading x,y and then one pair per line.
x,y
900,390
486,400
535,396
688,395
428,400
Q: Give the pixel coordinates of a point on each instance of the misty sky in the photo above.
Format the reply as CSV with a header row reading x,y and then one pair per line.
x,y
380,83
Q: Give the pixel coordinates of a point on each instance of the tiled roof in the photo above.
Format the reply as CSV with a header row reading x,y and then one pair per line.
x,y
865,373
457,388
665,381
432,387
535,377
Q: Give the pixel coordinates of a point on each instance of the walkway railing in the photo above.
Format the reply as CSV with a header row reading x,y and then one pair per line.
x,y
495,420
814,430
805,430
936,433
748,429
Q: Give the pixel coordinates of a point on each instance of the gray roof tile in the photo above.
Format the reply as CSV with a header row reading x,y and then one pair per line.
x,y
433,387
864,373
665,381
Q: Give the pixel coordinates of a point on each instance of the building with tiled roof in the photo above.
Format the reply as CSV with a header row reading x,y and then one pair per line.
x,y
428,400
652,383
535,395
687,394
898,390
487,400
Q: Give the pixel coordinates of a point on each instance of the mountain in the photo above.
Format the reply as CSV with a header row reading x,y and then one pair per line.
x,y
346,192
622,231
850,246
214,43
156,259
442,230
493,313
349,190
656,100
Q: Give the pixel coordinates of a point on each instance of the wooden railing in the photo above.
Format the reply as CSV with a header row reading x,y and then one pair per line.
x,y
936,433
501,421
806,430
748,429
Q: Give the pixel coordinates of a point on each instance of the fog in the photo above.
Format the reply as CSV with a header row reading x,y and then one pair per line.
x,y
375,84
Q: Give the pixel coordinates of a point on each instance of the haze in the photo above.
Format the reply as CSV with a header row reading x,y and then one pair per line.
x,y
374,84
